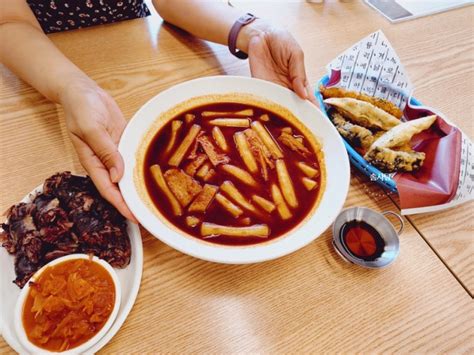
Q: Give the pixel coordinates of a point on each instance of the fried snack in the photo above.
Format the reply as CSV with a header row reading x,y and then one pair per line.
x,y
229,188
188,140
220,139
210,230
192,221
239,174
160,181
308,183
231,122
363,113
405,148
267,139
357,135
183,186
294,143
195,164
228,205
268,206
378,134
309,171
280,203
189,117
175,126
286,184
211,152
245,153
389,160
241,113
385,105
202,201
402,134
392,152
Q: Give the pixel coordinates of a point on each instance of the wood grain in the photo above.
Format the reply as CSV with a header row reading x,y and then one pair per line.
x,y
439,63
311,300
450,234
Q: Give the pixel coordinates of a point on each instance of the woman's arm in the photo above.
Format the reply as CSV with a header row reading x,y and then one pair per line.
x,y
27,51
93,119
210,20
274,54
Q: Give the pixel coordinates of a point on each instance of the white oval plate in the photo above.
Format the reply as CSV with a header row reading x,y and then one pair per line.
x,y
336,161
130,278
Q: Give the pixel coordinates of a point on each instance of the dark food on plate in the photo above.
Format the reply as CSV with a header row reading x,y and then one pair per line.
x,y
68,304
69,216
373,128
232,174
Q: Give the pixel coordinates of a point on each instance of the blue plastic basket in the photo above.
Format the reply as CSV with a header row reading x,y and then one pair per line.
x,y
356,159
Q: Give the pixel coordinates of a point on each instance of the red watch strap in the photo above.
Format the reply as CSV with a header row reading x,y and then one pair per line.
x,y
234,32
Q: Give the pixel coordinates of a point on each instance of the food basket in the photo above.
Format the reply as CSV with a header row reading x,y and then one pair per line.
x,y
383,179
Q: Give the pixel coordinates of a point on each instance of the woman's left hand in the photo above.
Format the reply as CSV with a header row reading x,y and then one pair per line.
x,y
95,124
274,55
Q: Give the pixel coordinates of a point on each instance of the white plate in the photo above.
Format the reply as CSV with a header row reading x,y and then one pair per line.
x,y
336,162
130,279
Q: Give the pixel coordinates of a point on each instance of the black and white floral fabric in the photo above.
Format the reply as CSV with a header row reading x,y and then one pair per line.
x,y
59,15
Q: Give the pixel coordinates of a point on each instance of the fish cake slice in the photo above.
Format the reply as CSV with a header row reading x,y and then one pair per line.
x,y
203,199
183,186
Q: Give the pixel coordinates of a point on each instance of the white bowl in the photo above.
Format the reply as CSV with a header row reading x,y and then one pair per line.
x,y
32,348
336,163
129,277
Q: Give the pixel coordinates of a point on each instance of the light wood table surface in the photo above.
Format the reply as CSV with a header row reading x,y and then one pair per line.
x,y
310,300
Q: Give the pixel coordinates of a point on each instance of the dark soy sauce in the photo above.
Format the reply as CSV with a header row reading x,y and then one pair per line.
x,y
362,240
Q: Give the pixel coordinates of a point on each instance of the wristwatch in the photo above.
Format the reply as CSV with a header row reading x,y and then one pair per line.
x,y
234,33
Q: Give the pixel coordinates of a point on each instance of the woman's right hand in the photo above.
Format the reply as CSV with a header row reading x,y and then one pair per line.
x,y
95,124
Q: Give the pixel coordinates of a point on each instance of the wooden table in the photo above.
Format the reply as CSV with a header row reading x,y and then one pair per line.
x,y
310,300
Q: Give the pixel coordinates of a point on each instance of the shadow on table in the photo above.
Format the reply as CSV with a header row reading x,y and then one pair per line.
x,y
188,274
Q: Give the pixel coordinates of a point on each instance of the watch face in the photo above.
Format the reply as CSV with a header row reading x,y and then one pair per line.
x,y
247,18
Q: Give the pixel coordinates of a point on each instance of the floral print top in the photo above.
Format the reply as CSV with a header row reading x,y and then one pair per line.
x,y
63,15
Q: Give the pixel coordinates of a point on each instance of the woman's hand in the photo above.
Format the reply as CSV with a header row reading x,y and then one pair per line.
x,y
274,55
95,124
